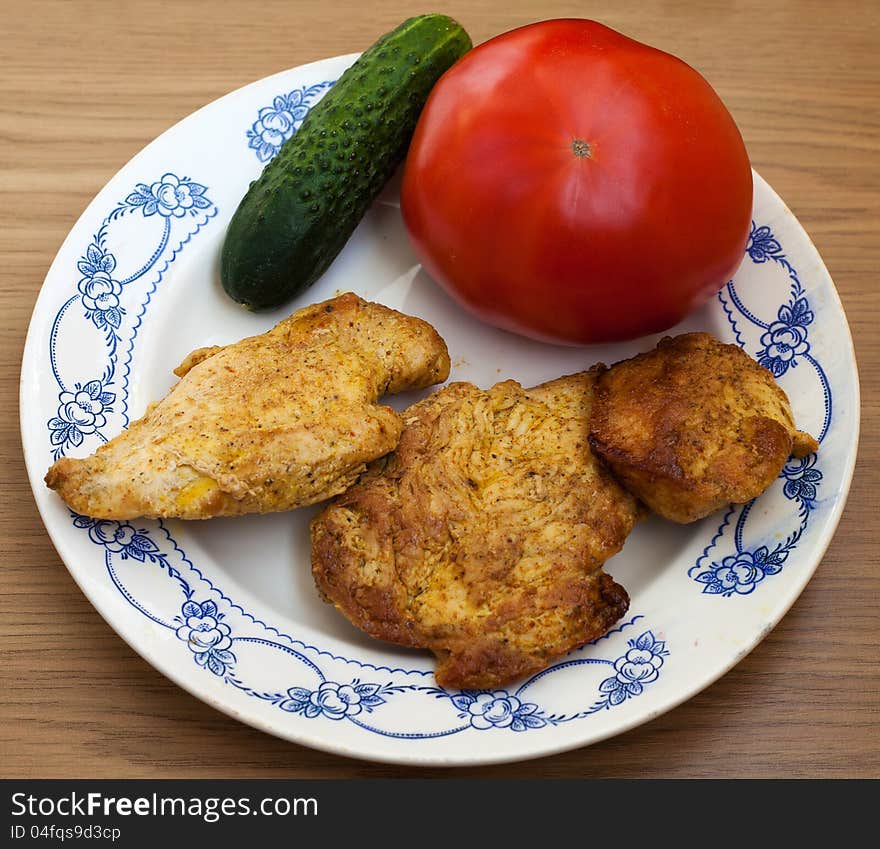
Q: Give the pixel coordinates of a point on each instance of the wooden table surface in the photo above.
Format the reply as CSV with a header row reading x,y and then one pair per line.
x,y
85,85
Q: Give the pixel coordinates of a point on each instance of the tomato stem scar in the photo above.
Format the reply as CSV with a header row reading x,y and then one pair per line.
x,y
581,148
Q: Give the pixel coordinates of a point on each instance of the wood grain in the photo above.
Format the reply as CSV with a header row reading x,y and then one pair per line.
x,y
85,85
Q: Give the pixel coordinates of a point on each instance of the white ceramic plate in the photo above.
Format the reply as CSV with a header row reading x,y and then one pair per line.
x,y
135,287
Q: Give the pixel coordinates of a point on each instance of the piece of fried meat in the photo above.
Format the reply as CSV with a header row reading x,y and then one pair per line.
x,y
694,425
482,537
269,423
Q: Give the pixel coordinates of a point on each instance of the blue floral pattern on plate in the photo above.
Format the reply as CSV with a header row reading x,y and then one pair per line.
x,y
168,196
83,406
276,123
785,344
638,667
206,635
81,412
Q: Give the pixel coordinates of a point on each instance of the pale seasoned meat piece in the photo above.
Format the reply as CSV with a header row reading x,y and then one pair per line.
x,y
482,537
269,423
693,426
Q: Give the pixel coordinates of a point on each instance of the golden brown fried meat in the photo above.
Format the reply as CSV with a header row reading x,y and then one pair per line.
x,y
482,537
269,423
693,425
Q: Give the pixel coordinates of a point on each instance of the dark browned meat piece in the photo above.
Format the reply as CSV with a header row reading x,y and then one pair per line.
x,y
693,425
482,537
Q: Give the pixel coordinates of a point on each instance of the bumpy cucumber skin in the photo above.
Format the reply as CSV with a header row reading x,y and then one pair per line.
x,y
299,214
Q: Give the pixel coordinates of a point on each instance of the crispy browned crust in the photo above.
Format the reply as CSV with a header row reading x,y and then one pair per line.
x,y
693,425
269,423
483,535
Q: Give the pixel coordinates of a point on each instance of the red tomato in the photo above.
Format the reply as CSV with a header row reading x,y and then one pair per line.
x,y
573,185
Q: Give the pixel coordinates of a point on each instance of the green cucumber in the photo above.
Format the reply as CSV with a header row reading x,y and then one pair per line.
x,y
299,214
